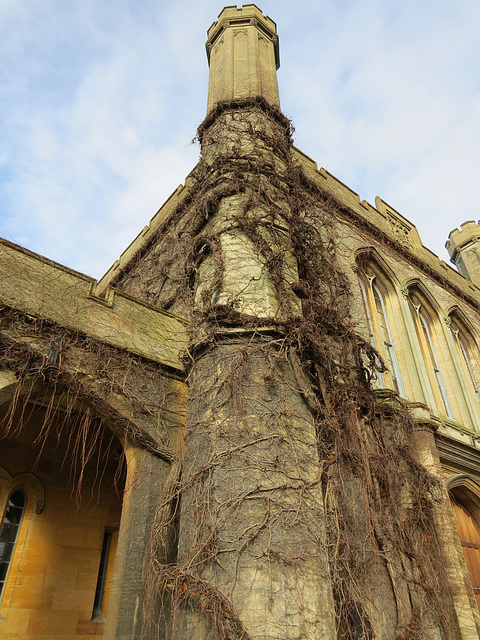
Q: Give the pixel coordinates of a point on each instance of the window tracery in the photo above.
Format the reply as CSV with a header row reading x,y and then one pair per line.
x,y
375,302
428,340
468,352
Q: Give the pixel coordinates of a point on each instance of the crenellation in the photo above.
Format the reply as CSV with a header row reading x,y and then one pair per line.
x,y
242,67
464,248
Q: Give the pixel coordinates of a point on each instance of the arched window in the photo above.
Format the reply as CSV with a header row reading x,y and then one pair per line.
x,y
9,532
468,354
375,295
424,326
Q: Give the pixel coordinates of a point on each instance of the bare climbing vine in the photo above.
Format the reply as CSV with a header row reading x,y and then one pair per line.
x,y
93,396
294,471
368,500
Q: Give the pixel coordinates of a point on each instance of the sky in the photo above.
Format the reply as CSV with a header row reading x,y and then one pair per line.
x,y
100,101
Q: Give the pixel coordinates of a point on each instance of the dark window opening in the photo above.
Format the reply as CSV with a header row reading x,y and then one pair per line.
x,y
9,533
102,572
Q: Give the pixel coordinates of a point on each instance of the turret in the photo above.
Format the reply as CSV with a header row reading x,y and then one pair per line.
x,y
464,248
243,54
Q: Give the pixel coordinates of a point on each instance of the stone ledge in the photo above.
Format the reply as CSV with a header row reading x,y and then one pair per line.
x,y
44,289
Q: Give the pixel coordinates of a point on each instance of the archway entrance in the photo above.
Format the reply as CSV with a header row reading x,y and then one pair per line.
x,y
59,573
469,532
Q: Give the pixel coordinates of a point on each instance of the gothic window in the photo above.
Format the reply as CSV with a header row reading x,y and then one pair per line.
x,y
375,299
429,343
9,532
468,354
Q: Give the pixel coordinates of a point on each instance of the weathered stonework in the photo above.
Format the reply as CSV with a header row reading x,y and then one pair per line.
x,y
287,380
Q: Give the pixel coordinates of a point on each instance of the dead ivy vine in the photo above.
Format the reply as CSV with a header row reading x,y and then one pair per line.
x,y
379,501
357,488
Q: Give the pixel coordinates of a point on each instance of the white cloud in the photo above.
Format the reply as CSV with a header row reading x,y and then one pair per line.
x,y
394,111
101,101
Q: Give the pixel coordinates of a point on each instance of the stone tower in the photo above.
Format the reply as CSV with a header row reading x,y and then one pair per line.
x,y
292,493
243,55
244,536
464,248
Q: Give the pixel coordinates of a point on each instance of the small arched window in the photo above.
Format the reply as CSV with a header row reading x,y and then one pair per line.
x,y
468,354
374,294
9,533
427,337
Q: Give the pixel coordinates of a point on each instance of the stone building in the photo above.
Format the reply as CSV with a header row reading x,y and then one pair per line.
x,y
263,422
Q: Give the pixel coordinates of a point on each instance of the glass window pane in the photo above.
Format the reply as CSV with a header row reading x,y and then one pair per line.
x,y
8,532
390,355
435,365
14,514
466,351
3,570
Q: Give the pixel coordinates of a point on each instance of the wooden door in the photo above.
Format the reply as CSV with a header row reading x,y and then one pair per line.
x,y
469,533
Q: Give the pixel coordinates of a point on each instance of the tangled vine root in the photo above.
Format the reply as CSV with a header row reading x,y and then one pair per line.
x,y
202,597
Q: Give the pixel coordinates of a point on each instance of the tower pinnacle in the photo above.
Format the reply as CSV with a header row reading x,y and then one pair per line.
x,y
242,51
464,248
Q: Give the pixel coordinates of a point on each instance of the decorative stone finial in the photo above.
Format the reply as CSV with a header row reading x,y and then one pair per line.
x,y
243,54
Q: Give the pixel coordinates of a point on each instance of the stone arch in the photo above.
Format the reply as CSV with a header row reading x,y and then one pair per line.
x,y
370,254
464,487
465,502
33,373
47,457
454,311
24,393
85,385
416,285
